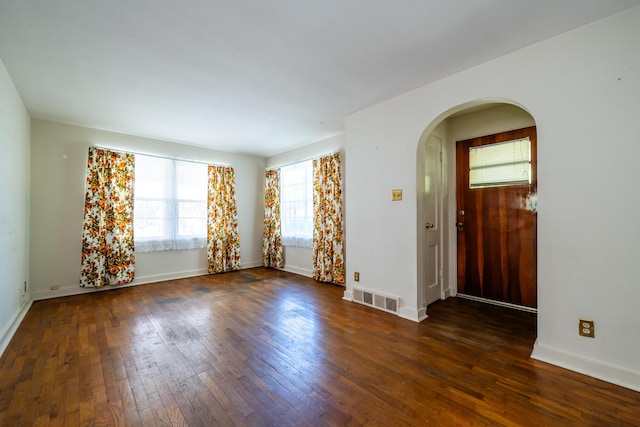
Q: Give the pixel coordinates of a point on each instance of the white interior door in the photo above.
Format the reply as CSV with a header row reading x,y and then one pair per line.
x,y
432,219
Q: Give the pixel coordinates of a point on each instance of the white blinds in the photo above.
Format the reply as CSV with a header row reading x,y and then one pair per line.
x,y
503,163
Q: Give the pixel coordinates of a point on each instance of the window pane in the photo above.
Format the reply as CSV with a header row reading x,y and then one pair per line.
x,y
149,218
191,180
517,173
296,208
149,227
151,175
504,163
150,208
191,227
192,219
192,209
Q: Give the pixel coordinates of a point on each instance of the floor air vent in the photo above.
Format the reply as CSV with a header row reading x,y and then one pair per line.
x,y
382,302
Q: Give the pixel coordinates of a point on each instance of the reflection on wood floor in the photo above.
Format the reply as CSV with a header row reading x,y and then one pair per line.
x,y
265,347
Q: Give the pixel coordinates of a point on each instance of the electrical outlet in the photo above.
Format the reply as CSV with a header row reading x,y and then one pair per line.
x,y
356,276
54,287
586,328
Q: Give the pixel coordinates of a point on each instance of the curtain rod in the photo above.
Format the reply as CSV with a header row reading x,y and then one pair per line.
x,y
160,156
302,160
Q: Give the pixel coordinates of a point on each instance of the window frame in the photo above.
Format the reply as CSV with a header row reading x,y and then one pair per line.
x,y
297,231
170,238
505,163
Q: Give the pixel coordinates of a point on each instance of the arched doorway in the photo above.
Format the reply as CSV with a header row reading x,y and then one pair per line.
x,y
437,215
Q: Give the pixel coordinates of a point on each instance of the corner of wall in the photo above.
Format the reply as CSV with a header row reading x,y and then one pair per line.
x,y
14,208
12,327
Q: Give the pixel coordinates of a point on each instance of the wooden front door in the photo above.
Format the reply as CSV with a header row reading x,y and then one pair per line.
x,y
497,226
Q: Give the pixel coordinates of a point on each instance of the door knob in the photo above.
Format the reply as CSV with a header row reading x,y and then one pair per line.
x,y
429,225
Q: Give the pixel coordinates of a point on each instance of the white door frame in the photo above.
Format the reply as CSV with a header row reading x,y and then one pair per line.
x,y
432,208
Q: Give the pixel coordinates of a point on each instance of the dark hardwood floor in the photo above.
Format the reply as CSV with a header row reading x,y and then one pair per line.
x,y
264,347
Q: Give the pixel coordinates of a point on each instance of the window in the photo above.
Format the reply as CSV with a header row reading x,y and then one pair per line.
x,y
503,163
170,204
296,204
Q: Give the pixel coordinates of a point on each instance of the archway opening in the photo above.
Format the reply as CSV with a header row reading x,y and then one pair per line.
x,y
437,217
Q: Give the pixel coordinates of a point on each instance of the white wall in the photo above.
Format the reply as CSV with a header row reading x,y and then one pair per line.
x,y
583,90
58,167
300,260
14,208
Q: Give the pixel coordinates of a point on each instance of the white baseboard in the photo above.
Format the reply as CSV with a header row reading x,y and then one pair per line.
x,y
602,371
10,330
77,290
296,270
252,264
348,296
168,276
412,314
422,314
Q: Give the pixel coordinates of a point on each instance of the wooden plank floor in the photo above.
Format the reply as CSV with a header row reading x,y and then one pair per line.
x,y
263,347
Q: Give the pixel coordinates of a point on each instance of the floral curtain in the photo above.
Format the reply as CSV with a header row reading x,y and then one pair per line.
x,y
328,255
223,241
272,255
107,234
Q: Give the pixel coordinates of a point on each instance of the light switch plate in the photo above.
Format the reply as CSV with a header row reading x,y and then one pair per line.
x,y
396,195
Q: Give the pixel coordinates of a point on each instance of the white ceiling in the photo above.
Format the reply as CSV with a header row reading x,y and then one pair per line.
x,y
255,76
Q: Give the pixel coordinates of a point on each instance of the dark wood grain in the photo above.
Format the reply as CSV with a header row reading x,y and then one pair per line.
x,y
497,247
263,347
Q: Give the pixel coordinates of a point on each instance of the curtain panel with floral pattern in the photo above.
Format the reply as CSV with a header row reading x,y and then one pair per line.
x,y
107,233
223,241
272,253
328,252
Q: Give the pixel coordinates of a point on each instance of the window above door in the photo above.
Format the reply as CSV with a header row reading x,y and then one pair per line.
x,y
500,164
